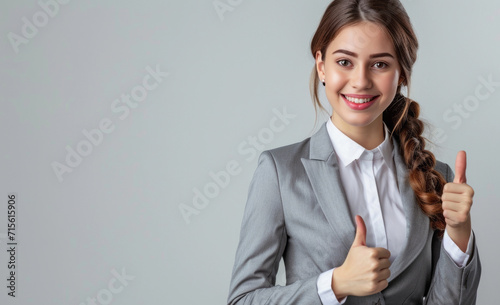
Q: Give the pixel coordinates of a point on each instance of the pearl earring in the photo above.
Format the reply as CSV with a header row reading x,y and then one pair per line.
x,y
323,81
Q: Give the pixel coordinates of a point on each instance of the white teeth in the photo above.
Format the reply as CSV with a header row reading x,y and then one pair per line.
x,y
358,100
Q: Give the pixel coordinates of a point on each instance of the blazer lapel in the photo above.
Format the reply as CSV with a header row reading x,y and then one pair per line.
x,y
416,221
323,172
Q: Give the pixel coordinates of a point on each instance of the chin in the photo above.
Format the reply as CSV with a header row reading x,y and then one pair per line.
x,y
359,121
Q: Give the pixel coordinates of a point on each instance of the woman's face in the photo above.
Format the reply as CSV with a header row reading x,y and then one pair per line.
x,y
361,73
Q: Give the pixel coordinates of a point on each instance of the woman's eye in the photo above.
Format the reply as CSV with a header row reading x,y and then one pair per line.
x,y
343,62
380,65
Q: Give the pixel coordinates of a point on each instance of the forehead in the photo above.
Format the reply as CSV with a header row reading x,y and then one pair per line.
x,y
363,38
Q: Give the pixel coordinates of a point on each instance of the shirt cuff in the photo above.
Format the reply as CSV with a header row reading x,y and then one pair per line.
x,y
460,258
325,291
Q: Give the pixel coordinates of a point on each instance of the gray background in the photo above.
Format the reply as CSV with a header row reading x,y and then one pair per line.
x,y
119,208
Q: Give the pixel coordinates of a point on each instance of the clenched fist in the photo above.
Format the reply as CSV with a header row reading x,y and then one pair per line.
x,y
365,270
457,202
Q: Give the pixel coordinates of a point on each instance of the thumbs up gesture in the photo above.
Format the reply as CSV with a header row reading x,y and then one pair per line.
x,y
365,270
456,203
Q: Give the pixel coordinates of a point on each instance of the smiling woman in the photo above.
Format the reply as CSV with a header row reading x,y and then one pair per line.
x,y
388,223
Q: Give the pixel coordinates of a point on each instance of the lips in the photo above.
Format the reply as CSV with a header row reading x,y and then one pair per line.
x,y
359,102
359,99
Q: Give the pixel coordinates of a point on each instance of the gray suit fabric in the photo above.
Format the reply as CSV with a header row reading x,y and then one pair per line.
x,y
297,209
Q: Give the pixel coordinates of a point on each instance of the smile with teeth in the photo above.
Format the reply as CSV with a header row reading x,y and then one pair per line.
x,y
358,100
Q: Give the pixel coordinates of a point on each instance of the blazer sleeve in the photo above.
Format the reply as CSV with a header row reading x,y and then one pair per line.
x,y
452,284
263,239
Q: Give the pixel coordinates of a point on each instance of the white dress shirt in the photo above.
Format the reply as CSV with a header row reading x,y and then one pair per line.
x,y
370,184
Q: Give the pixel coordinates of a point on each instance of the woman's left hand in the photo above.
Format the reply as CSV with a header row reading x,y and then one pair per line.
x,y
457,201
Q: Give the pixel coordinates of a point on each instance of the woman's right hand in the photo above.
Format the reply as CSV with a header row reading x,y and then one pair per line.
x,y
365,270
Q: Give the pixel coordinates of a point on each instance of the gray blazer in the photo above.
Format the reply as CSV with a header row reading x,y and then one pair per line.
x,y
297,210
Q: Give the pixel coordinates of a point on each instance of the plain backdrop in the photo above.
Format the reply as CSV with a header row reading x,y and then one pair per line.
x,y
209,83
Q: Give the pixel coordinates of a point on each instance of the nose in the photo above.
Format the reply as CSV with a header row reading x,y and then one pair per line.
x,y
360,78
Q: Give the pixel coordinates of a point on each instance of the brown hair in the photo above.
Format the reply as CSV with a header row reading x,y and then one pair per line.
x,y
401,117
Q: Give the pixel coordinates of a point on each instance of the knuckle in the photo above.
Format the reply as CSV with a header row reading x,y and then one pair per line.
x,y
372,253
372,287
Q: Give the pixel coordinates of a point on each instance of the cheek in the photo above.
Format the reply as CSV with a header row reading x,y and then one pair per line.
x,y
388,82
336,80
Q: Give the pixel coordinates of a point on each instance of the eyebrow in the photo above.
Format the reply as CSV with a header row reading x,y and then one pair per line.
x,y
356,55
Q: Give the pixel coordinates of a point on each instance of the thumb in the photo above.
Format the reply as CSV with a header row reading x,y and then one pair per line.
x,y
360,239
460,165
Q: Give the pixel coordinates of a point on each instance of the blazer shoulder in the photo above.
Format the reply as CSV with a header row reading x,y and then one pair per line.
x,y
290,153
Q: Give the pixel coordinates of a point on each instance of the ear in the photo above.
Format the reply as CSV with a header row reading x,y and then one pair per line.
x,y
320,65
401,81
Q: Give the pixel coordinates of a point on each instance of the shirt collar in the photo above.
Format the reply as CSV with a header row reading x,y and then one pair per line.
x,y
348,150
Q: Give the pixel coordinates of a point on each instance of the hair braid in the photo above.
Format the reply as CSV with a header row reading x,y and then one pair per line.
x,y
401,117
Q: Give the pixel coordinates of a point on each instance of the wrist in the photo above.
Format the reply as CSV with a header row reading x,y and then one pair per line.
x,y
337,286
460,234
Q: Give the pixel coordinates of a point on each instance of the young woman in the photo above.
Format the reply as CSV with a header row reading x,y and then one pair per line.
x,y
360,212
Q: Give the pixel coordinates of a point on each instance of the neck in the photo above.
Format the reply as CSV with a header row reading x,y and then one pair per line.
x,y
369,136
